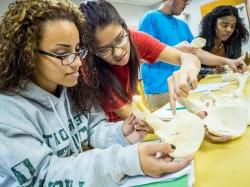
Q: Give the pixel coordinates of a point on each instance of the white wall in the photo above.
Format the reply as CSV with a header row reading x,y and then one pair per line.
x,y
193,10
3,5
131,13
243,14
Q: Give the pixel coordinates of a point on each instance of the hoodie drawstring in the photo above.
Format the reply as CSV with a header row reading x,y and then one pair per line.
x,y
74,124
75,150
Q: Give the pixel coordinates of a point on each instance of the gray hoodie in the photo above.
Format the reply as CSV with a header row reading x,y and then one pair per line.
x,y
42,143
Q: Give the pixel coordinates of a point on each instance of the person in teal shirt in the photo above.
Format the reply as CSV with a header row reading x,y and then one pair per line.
x,y
171,31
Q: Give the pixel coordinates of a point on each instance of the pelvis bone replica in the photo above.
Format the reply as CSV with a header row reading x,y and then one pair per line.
x,y
228,114
185,130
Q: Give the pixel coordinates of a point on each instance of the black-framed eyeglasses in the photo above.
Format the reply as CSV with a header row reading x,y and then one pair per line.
x,y
67,58
106,51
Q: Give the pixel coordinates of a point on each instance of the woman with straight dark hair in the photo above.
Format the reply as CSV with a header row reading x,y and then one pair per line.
x,y
225,33
117,53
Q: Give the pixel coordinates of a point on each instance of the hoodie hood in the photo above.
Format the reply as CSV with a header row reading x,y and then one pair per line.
x,y
38,95
57,114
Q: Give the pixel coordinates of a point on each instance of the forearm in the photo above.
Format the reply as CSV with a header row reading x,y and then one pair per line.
x,y
185,60
38,164
210,59
102,133
170,55
177,57
95,167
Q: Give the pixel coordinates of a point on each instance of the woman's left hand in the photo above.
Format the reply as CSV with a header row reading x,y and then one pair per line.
x,y
134,129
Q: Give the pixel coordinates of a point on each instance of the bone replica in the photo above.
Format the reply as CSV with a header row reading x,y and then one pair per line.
x,y
241,78
227,115
185,130
198,42
239,92
165,113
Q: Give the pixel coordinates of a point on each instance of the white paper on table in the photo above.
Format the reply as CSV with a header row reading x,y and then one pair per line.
x,y
191,176
165,111
140,180
209,87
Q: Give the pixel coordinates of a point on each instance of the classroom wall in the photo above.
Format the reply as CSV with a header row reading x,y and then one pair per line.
x,y
133,13
3,5
130,13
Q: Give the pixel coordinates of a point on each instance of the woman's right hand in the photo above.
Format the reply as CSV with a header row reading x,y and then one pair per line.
x,y
155,166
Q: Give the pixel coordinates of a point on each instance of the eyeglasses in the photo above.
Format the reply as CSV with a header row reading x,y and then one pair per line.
x,y
106,51
67,58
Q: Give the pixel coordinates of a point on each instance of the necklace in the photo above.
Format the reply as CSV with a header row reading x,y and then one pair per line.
x,y
218,48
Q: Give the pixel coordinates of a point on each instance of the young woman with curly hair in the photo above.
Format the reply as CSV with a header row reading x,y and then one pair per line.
x,y
225,33
44,136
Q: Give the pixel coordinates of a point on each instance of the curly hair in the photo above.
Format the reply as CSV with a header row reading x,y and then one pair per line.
x,y
234,43
20,34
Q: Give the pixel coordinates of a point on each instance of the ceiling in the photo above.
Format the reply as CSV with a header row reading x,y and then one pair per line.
x,y
137,2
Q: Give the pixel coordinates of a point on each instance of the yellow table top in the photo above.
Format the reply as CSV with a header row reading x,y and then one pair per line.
x,y
227,164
